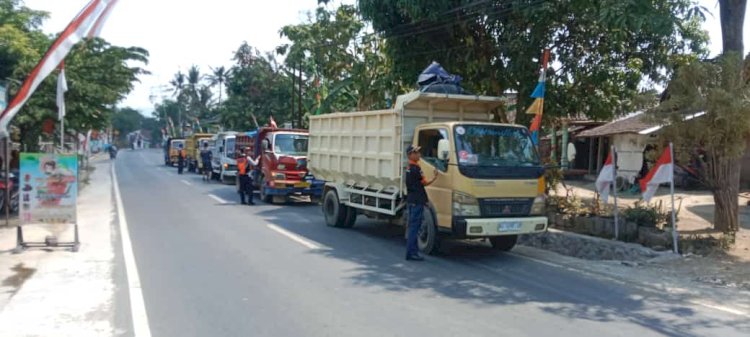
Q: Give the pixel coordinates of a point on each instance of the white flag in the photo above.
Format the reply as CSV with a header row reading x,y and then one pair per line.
x,y
62,87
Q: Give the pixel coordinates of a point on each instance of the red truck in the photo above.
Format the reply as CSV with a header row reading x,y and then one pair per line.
x,y
282,167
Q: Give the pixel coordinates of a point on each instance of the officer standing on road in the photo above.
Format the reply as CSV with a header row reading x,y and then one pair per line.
x,y
206,160
244,165
180,160
416,199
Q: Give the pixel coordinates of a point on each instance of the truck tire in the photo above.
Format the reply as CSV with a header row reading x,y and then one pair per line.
x,y
504,243
334,212
351,217
262,191
428,239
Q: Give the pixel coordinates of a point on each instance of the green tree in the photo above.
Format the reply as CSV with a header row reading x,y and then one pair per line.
x,y
719,88
601,50
126,120
257,89
219,76
342,69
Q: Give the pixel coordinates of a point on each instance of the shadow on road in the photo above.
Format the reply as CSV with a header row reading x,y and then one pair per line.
x,y
474,272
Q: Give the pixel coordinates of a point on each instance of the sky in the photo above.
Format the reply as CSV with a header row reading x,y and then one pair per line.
x,y
181,33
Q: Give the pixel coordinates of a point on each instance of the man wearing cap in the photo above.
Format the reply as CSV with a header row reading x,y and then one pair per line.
x,y
416,199
244,164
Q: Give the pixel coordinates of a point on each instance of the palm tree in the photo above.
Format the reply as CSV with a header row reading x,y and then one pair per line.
x,y
220,75
178,90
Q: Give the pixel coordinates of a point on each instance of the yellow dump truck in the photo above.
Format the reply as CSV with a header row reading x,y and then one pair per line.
x,y
491,182
193,145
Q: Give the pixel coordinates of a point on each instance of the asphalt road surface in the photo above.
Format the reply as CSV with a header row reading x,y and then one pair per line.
x,y
211,267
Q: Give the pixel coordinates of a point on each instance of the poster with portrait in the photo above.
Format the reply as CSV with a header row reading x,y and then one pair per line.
x,y
48,188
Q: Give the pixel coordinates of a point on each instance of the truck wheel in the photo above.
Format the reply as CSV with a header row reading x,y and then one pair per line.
x,y
504,243
334,212
428,239
350,218
262,190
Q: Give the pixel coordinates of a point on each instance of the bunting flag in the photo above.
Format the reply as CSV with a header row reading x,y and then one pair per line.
x,y
80,27
537,107
272,122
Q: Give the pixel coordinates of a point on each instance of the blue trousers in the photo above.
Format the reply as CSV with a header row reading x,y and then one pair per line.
x,y
416,215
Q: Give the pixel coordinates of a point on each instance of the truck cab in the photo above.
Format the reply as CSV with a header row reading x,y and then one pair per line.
x,y
223,163
282,164
491,180
172,150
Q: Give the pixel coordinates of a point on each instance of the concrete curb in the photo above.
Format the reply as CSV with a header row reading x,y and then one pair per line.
x,y
588,247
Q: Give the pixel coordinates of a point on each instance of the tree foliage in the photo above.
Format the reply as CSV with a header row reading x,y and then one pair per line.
x,y
602,51
716,140
99,75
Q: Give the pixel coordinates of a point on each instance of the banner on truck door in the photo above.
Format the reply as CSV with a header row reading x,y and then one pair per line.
x,y
48,188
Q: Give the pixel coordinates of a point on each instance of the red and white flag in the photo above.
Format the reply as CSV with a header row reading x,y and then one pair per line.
x,y
76,30
662,172
606,178
273,123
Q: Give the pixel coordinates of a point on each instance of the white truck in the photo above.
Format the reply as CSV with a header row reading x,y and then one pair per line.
x,y
491,182
223,164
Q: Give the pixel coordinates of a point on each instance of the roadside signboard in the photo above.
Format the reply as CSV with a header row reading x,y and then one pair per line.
x,y
48,188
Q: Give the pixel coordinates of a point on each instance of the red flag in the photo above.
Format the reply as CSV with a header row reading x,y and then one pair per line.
x,y
73,33
662,172
606,178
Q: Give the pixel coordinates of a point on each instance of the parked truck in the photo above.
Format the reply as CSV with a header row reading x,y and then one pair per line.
x,y
223,163
490,185
282,165
193,146
172,149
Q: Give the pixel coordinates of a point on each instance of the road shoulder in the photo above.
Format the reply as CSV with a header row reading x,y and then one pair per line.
x,y
59,292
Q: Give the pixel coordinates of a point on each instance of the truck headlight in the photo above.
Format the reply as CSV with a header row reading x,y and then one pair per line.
x,y
226,166
539,207
465,205
278,176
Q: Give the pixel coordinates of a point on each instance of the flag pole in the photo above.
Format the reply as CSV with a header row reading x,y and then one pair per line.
x,y
671,190
614,191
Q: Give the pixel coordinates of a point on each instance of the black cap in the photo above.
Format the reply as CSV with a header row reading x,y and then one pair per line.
x,y
413,148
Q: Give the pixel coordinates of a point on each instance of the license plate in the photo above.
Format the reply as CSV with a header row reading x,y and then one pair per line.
x,y
509,227
302,185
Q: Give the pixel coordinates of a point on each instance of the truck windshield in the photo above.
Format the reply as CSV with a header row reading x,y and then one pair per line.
x,y
290,144
229,146
494,145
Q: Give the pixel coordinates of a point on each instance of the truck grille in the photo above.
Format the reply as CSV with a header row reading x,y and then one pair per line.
x,y
506,207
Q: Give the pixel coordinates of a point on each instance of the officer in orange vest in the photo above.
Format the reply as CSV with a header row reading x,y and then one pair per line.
x,y
181,155
245,163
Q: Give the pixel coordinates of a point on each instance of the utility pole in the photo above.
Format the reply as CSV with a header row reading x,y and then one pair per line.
x,y
294,79
299,106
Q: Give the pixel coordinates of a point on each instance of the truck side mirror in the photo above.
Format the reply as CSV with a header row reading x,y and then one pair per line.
x,y
443,149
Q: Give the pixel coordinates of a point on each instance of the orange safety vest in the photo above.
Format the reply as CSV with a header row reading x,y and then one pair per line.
x,y
242,164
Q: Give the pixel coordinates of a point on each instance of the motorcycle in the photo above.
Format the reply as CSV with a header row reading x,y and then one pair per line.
x,y
14,195
112,152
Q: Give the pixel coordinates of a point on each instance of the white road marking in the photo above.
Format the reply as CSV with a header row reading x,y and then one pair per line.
x,y
611,279
220,200
722,308
186,182
137,305
296,238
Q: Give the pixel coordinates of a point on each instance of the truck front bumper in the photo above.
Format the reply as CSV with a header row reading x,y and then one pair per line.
x,y
285,188
486,227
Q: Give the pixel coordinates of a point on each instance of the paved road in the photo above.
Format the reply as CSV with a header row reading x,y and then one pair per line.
x,y
213,269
